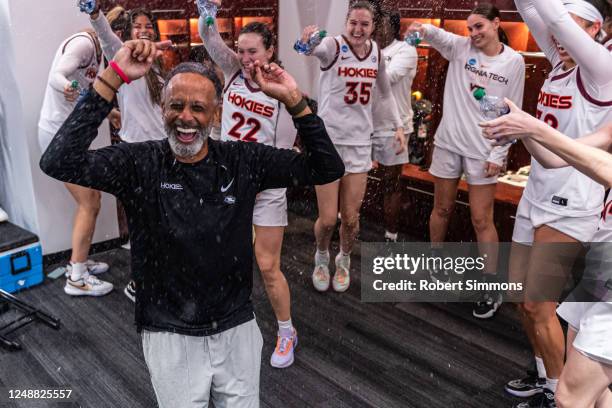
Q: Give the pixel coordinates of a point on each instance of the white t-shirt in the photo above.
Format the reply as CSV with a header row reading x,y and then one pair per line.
x,y
502,75
401,61
346,91
576,102
141,119
76,59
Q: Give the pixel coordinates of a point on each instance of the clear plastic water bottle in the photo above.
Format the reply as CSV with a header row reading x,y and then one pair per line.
x,y
87,6
414,38
82,91
208,10
314,40
492,107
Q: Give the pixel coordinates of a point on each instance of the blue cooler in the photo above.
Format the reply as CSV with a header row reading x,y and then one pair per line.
x,y
20,258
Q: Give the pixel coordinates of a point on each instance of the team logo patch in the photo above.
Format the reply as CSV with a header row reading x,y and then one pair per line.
x,y
374,59
345,48
230,200
472,61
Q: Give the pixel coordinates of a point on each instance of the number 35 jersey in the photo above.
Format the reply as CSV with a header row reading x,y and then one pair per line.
x,y
566,104
249,115
346,90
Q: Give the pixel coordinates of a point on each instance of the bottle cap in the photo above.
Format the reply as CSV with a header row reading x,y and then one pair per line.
x,y
479,93
210,21
74,84
322,34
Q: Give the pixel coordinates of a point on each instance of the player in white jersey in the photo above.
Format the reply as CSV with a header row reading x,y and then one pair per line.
x,y
251,116
587,372
351,69
401,60
559,205
140,101
483,61
76,62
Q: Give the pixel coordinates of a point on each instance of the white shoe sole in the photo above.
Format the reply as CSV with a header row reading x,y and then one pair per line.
x,y
127,293
523,394
72,291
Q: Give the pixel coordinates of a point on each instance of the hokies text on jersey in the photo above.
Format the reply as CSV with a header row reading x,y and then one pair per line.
x,y
251,106
357,72
555,101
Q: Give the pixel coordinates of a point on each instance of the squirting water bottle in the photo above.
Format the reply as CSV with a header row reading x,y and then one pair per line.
x,y
492,107
314,40
87,6
414,38
82,91
208,10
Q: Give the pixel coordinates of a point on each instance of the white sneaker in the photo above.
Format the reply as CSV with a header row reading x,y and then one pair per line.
x,y
283,353
88,285
342,277
130,291
320,277
93,267
3,215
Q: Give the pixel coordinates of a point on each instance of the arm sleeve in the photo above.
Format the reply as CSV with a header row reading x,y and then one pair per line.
x,y
108,40
318,164
593,58
443,41
326,51
391,115
68,159
224,57
78,51
498,153
538,28
403,64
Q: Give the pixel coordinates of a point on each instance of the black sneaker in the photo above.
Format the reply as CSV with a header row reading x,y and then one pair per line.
x,y
545,399
488,305
526,387
130,291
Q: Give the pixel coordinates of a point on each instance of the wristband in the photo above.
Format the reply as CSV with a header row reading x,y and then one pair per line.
x,y
118,71
108,85
296,109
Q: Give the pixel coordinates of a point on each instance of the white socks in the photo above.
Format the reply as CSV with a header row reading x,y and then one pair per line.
x,y
77,271
322,257
285,328
390,235
551,384
540,367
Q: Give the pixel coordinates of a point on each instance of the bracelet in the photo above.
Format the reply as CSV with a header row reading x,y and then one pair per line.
x,y
296,109
118,71
108,85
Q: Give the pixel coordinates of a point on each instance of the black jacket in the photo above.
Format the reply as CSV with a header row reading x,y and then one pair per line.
x,y
190,224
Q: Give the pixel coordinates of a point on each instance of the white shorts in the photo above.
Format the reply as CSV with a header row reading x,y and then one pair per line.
x,y
593,322
384,148
187,370
450,165
357,159
271,208
44,139
529,217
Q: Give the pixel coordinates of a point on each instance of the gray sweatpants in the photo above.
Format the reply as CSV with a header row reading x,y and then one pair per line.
x,y
186,371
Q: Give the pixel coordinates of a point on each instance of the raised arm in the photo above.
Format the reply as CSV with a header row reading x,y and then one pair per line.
x,y
594,59
108,39
319,164
326,51
220,53
444,42
538,29
109,169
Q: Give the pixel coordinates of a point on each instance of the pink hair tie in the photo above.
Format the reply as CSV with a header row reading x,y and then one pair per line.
x,y
118,71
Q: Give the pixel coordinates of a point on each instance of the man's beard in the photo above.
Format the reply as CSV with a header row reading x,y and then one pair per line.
x,y
181,149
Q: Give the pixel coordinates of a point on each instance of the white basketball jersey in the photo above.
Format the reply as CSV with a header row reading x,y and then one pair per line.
x,y
565,104
346,90
249,115
56,108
